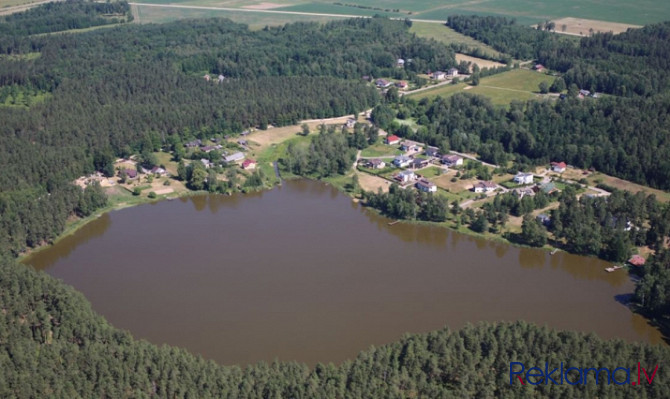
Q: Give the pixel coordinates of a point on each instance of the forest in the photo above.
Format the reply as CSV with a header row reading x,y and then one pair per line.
x,y
54,345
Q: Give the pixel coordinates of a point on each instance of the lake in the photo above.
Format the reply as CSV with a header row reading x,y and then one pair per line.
x,y
301,272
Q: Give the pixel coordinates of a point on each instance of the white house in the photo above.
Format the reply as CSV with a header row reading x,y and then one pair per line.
x,y
426,186
558,167
405,176
351,122
484,187
453,72
439,75
402,161
523,178
400,62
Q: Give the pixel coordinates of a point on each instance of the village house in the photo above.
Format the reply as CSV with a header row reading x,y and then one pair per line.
x,y
245,133
538,67
157,170
401,85
452,160
233,158
400,63
523,178
194,143
453,72
249,164
351,122
547,188
584,93
637,260
524,191
419,163
402,161
207,77
426,186
376,164
382,83
210,148
206,163
432,151
409,145
130,173
242,142
544,219
221,78
392,139
439,75
558,167
405,176
484,187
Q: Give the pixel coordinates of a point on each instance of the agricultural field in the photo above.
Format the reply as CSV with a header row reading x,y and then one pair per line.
x,y
256,20
584,27
482,63
502,89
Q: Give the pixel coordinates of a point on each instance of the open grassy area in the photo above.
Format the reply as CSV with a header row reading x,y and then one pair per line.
x,y
615,182
503,88
380,150
446,35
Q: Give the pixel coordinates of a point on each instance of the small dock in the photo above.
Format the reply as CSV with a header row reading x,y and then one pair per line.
x,y
554,251
392,223
613,268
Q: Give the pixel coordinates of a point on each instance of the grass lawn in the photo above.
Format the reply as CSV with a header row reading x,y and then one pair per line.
x,y
431,171
446,35
502,88
380,150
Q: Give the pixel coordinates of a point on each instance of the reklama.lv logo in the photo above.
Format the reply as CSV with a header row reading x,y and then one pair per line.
x,y
576,375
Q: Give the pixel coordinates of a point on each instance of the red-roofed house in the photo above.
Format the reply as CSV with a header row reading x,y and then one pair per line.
x,y
249,164
636,260
538,67
392,139
558,167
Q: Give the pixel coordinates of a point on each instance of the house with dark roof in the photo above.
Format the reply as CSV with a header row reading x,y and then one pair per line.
x,y
418,163
452,160
432,151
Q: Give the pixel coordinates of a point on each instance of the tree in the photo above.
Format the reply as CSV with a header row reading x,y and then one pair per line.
x,y
532,232
557,86
475,79
198,176
182,173
480,224
544,87
305,129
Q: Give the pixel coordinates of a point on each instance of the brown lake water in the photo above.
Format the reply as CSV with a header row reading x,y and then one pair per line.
x,y
303,273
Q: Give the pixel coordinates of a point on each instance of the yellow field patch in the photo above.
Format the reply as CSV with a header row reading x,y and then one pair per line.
x,y
584,27
479,61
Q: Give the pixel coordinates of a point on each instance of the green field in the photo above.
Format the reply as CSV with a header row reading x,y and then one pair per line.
x,y
446,35
503,88
380,150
